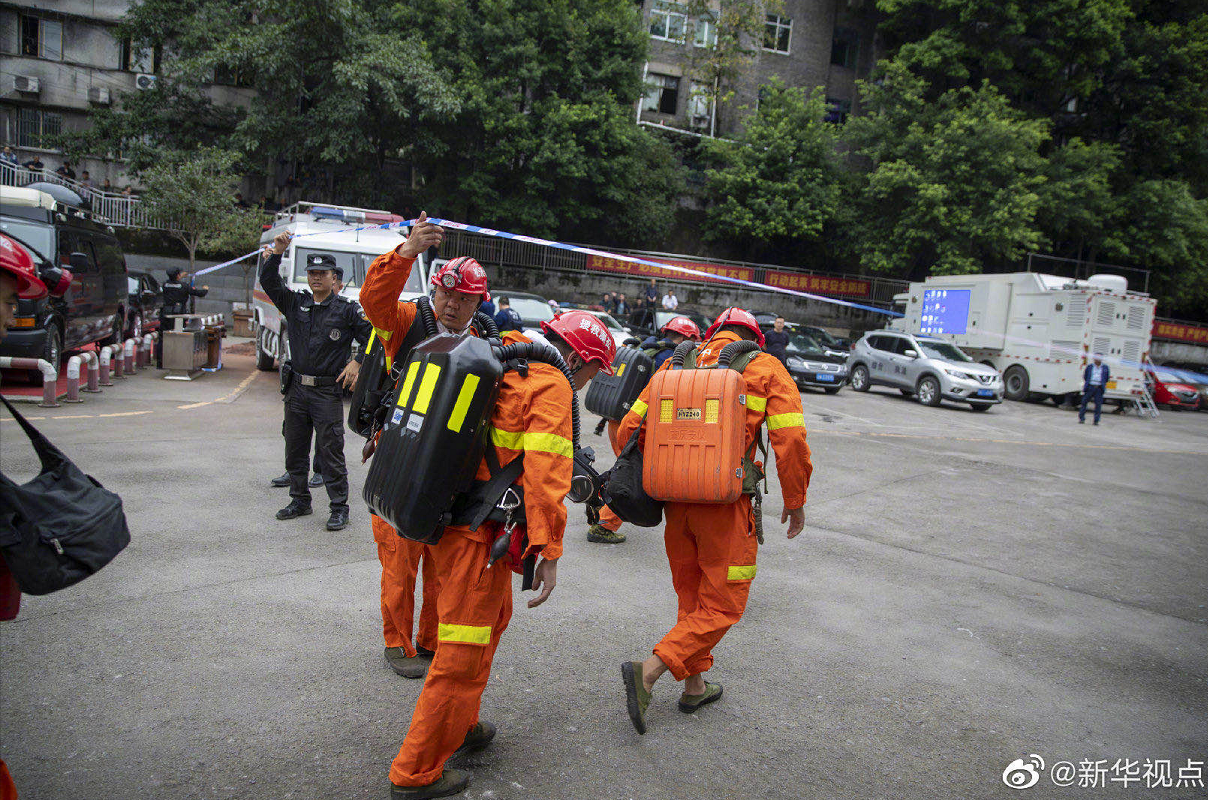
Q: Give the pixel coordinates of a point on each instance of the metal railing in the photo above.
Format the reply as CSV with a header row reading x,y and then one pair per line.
x,y
116,208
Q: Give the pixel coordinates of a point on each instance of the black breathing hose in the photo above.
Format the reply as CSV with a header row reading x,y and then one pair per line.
x,y
486,326
426,315
735,349
530,351
681,352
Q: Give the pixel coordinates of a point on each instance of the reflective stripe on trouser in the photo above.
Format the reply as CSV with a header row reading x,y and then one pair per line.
x,y
401,560
472,598
711,550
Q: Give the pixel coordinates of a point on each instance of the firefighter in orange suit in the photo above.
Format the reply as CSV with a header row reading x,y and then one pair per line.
x,y
460,286
712,548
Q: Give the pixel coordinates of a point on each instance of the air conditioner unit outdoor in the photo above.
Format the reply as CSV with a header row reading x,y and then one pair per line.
x,y
26,84
145,80
98,95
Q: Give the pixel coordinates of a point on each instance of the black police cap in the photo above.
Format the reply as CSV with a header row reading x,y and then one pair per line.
x,y
320,261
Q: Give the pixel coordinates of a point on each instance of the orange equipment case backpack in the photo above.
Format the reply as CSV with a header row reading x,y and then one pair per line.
x,y
695,428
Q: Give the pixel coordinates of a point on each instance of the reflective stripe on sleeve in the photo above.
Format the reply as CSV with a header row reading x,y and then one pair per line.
x,y
639,408
464,634
741,573
757,403
531,440
776,421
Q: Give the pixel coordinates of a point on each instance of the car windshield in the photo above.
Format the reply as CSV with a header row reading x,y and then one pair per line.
x,y
661,318
943,351
800,343
32,235
131,286
609,322
823,336
355,265
532,309
1167,377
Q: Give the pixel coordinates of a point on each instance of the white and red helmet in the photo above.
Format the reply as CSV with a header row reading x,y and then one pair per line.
x,y
19,263
462,274
586,335
683,326
737,316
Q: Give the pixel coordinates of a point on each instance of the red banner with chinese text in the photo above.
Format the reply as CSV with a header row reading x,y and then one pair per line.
x,y
818,284
1179,332
646,271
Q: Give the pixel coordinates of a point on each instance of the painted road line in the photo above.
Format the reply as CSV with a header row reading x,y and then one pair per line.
x,y
1125,448
227,398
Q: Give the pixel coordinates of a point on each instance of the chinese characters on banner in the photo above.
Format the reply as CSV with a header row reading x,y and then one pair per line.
x,y
815,284
1179,332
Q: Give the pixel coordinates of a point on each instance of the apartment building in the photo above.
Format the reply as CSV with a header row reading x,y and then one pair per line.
x,y
810,43
60,60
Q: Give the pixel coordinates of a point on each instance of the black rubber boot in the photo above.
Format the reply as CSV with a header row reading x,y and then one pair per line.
x,y
296,508
316,480
281,481
338,519
452,781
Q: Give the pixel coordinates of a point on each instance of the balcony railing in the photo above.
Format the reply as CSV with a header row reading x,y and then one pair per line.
x,y
118,209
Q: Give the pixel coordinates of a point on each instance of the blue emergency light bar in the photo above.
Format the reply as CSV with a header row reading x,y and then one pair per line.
x,y
337,214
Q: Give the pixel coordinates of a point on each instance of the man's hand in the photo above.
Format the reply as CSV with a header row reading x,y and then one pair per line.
x,y
281,242
349,376
545,578
207,288
795,518
423,235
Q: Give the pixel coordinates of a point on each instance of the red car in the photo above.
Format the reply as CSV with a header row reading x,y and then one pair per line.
x,y
1170,390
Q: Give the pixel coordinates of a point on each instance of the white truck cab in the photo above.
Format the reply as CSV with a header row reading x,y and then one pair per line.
x,y
325,228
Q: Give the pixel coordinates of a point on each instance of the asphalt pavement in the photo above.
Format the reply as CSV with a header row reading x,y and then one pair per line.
x,y
970,589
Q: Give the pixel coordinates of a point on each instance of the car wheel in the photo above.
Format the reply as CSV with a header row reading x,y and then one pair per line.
x,y
929,391
264,359
859,378
1016,382
52,352
831,389
980,406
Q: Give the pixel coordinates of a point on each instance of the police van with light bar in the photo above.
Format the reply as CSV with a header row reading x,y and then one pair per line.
x,y
324,228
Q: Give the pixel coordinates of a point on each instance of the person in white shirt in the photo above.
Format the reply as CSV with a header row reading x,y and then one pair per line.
x,y
669,301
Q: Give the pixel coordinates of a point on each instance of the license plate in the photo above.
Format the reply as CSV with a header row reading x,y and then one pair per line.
x,y
985,392
824,378
1111,384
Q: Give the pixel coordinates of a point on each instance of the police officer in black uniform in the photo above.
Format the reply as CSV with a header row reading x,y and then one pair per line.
x,y
321,327
177,291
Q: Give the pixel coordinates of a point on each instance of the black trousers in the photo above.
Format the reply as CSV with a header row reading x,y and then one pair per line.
x,y
1092,394
316,411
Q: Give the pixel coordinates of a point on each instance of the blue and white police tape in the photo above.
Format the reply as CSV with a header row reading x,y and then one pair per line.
x,y
586,251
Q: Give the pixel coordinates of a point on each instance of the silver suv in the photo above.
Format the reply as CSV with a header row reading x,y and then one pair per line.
x,y
931,368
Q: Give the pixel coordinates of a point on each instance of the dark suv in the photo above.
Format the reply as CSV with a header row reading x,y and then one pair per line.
x,y
63,236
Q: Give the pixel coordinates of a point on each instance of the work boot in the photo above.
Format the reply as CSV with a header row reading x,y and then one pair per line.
x,y
451,781
316,481
425,652
296,508
601,535
338,519
688,703
479,737
407,666
280,481
637,699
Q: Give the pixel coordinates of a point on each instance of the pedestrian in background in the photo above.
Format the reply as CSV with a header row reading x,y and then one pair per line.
x,y
652,295
609,302
670,302
1094,382
9,157
488,307
622,306
65,171
777,340
506,319
177,290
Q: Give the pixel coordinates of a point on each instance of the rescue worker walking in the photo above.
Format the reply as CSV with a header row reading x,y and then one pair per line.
x,y
459,289
712,548
177,290
321,328
659,349
531,418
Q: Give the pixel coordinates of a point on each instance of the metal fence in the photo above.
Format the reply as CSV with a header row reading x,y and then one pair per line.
x,y
118,209
513,253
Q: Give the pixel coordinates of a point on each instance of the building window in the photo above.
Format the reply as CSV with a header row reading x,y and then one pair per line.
x,y
837,110
777,33
35,128
668,21
141,59
662,93
700,105
845,48
42,38
706,33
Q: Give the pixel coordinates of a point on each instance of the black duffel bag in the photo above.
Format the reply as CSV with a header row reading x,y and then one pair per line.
x,y
621,488
60,527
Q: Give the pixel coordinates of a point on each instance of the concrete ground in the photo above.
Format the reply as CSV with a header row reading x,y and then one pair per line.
x,y
970,589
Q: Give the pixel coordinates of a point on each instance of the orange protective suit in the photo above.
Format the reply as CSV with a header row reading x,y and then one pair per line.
x,y
400,557
8,791
608,519
712,548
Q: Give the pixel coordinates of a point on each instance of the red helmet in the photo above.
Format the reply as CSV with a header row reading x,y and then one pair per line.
x,y
462,274
586,335
682,326
18,262
736,316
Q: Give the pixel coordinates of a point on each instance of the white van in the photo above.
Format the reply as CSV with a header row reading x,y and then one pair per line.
x,y
324,228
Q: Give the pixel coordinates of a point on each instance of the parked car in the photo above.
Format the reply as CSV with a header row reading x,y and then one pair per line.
x,y
646,322
145,299
826,338
1169,389
532,308
1194,375
811,364
931,369
615,329
62,235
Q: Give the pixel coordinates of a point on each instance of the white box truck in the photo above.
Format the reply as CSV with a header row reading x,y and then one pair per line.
x,y
1039,331
324,228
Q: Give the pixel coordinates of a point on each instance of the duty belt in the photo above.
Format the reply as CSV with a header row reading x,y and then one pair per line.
x,y
315,380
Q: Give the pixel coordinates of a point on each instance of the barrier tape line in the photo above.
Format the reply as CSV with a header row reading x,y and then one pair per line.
x,y
577,249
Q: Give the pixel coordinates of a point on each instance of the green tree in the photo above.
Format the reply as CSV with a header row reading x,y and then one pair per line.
x,y
952,184
781,182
